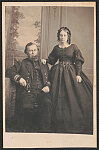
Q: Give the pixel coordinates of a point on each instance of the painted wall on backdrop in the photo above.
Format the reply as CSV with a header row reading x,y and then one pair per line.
x,y
23,25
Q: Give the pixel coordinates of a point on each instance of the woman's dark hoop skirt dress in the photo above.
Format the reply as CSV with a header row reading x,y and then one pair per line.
x,y
72,110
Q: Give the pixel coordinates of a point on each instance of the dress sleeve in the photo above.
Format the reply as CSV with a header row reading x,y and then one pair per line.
x,y
52,58
13,72
78,60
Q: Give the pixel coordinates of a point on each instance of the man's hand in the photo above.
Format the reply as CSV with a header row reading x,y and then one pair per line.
x,y
43,61
46,89
22,82
79,79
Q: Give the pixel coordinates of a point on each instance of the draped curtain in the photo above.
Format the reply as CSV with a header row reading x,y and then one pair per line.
x,y
51,21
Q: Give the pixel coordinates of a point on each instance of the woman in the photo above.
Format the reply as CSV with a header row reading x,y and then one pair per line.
x,y
71,90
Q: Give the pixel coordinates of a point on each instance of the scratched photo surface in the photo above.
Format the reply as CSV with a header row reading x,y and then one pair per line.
x,y
66,111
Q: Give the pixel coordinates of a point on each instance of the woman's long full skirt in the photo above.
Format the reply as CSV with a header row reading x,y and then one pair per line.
x,y
72,101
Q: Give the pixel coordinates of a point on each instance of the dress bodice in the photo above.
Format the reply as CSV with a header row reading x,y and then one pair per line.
x,y
71,53
65,54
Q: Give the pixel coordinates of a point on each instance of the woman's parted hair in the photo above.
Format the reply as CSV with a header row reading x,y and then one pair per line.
x,y
29,44
68,33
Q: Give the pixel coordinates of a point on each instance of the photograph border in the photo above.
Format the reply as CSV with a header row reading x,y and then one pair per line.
x,y
49,140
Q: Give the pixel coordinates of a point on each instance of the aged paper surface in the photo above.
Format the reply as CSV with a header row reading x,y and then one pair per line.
x,y
50,140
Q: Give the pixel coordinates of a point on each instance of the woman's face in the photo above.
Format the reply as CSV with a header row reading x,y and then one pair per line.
x,y
32,51
63,36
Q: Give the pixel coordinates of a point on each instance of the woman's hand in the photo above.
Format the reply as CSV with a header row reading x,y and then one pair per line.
x,y
22,82
46,89
43,61
79,79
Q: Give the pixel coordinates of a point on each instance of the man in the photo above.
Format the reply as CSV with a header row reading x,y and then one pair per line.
x,y
33,103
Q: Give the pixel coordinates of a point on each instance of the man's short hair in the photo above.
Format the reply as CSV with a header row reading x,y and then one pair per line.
x,y
29,44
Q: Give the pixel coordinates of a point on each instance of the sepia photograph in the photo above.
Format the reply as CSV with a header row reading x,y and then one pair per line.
x,y
49,74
